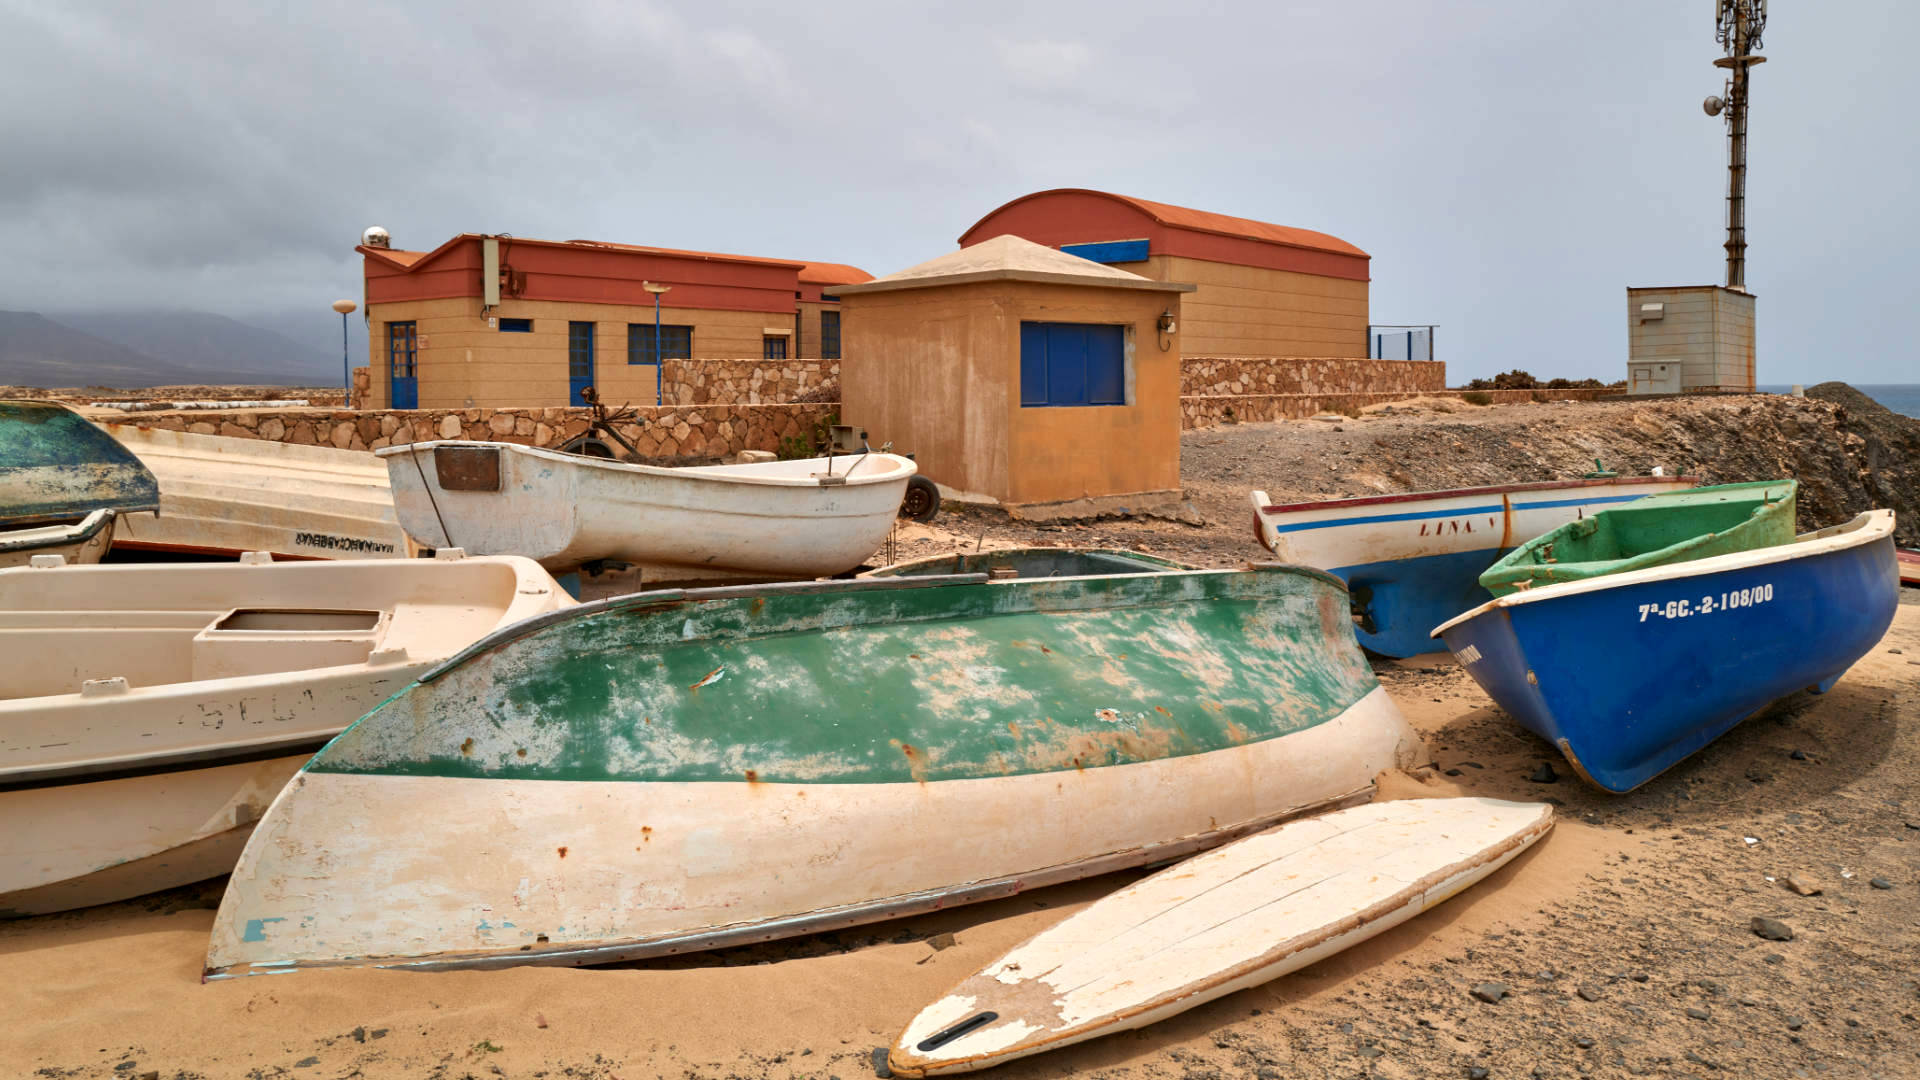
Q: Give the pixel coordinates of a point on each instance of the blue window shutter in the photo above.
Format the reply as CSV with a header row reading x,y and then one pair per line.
x,y
1033,363
1111,251
1066,364
1106,365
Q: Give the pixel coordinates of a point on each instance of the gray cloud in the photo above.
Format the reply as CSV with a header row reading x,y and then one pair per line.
x,y
1510,166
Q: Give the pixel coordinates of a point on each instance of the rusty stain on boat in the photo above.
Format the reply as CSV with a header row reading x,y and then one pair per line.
x,y
712,677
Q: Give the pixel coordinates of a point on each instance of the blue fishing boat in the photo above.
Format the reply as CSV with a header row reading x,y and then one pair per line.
x,y
1413,560
1628,674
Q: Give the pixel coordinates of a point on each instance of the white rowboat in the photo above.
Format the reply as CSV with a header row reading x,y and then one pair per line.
x,y
149,713
766,521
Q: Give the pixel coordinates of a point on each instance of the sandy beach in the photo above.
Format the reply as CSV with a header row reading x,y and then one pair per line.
x,y
1622,941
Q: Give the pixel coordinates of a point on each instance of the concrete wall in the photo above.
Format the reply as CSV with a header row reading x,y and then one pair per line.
x,y
463,362
1707,329
937,370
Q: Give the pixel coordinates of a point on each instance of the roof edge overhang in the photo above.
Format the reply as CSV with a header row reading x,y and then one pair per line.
x,y
1036,276
385,254
1147,207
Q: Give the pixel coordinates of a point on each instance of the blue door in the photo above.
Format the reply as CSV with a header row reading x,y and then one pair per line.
x,y
579,360
403,360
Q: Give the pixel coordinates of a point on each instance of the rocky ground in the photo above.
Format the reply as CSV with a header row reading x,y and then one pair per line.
x,y
1625,944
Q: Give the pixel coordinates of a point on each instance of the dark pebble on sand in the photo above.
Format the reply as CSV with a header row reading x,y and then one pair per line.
x,y
1698,1013
1881,883
1795,1023
1588,993
1477,765
377,1033
1772,929
1638,977
1798,755
1583,1043
880,1063
1453,772
1476,1072
1774,958
306,1063
1490,992
1544,774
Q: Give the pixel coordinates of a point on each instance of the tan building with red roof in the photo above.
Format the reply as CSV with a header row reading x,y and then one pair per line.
x,y
489,321
1262,289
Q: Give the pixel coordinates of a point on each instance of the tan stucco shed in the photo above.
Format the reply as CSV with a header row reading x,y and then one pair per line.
x,y
1021,375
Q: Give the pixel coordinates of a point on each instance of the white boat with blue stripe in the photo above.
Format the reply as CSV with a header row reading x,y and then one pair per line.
x,y
1413,561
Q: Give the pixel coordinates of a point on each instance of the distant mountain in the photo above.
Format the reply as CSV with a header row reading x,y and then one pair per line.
x,y
39,351
202,341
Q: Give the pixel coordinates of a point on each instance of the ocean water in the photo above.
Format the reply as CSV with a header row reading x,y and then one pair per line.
x,y
1903,398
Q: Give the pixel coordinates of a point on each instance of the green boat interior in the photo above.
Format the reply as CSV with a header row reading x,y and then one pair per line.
x,y
1658,530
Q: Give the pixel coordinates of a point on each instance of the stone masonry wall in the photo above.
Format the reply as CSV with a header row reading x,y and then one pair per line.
x,y
707,431
1208,410
1230,375
705,382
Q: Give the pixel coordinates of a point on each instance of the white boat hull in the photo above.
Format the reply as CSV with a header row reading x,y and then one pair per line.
x,y
222,496
148,716
768,521
85,541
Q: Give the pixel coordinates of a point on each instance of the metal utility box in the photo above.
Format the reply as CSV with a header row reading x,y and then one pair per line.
x,y
1689,338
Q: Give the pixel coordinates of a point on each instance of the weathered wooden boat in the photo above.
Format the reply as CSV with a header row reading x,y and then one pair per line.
x,y
63,484
1238,916
220,496
766,521
1671,527
1909,566
1030,562
1414,560
685,769
1630,673
149,713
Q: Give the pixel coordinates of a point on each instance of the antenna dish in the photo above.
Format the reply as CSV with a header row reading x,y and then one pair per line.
x,y
375,236
1713,105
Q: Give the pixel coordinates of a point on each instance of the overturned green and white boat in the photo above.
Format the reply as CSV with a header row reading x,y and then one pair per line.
x,y
680,770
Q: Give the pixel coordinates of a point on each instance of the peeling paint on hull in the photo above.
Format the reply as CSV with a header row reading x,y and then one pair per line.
x,y
587,792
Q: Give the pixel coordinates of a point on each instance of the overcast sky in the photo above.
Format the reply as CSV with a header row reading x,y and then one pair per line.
x,y
1511,166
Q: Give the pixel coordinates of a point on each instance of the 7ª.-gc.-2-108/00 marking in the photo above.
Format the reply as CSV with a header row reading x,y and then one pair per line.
x,y
1726,601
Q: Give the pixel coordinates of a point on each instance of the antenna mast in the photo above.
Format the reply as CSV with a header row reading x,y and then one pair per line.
x,y
1738,25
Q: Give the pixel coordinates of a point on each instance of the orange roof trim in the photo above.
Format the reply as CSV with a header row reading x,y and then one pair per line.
x,y
1182,217
833,274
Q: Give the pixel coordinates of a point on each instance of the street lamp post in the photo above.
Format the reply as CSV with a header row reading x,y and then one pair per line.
x,y
659,362
345,308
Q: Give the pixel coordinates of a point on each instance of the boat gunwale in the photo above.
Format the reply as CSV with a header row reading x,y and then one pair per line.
x,y
1165,565
182,759
699,472
57,533
1458,493
818,922
1867,527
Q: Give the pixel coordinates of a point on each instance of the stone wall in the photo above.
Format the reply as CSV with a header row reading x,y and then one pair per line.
x,y
1201,411
707,431
700,382
1235,375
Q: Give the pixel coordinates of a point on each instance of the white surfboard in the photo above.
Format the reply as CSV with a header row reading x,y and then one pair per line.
x,y
1235,917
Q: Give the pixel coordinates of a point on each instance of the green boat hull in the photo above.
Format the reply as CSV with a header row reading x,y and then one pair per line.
x,y
1658,530
691,767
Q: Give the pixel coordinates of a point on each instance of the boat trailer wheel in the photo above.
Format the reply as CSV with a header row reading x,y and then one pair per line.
x,y
922,501
588,446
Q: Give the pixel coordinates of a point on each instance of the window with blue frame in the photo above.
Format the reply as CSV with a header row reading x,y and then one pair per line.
x,y
1063,364
676,343
773,347
829,335
516,326
579,361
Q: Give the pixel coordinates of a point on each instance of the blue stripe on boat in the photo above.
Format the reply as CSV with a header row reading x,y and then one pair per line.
x,y
1463,511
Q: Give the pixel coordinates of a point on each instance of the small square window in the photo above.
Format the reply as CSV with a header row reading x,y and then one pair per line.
x,y
773,347
516,326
